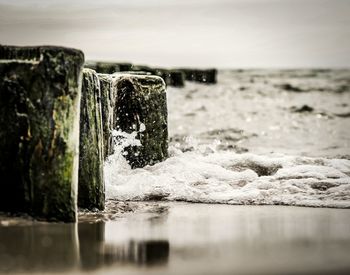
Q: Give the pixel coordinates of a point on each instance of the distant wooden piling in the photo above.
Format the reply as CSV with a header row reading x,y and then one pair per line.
x,y
40,89
108,67
207,76
91,190
175,78
171,77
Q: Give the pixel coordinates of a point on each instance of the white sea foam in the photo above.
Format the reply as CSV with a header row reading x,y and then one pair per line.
x,y
248,111
209,176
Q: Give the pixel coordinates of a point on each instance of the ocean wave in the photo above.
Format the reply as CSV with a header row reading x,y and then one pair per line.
x,y
207,176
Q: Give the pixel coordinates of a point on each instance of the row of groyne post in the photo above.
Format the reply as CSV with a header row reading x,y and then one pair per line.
x,y
173,77
57,120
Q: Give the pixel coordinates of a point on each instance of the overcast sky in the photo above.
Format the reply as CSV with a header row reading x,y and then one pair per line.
x,y
221,33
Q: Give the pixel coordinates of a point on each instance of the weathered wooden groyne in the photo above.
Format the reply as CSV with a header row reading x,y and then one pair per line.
x,y
56,123
172,77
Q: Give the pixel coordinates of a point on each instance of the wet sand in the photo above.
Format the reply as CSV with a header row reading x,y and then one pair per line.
x,y
182,238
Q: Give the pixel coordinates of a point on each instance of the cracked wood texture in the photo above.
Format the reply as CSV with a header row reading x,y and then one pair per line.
x,y
39,130
91,189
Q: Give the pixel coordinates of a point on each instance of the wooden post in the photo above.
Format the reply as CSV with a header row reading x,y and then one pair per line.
x,y
141,106
40,89
91,190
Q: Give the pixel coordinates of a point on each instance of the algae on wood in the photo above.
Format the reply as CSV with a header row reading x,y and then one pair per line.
x,y
108,97
39,130
91,191
141,106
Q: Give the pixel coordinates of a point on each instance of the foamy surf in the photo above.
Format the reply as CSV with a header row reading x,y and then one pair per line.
x,y
208,176
248,111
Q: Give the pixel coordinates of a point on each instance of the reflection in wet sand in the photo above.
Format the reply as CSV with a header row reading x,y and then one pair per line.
x,y
143,253
55,248
183,238
39,247
95,252
91,240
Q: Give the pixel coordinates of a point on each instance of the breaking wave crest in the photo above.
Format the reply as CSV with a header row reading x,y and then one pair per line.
x,y
206,175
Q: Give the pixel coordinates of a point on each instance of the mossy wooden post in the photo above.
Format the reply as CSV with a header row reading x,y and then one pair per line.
x,y
141,106
91,191
39,130
108,97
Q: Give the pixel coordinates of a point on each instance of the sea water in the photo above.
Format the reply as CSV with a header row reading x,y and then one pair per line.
x,y
249,140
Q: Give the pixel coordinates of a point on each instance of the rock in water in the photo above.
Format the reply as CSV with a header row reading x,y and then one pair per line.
x,y
108,97
141,106
40,89
91,181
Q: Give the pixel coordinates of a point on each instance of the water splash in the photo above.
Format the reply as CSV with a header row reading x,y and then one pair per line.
x,y
202,166
204,174
116,163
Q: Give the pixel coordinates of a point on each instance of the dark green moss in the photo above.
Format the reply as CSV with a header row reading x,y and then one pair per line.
x,y
108,96
91,191
39,127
